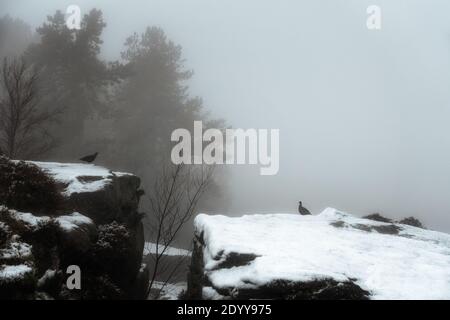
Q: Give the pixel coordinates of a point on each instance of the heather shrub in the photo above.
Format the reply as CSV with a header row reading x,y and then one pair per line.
x,y
25,187
411,221
377,217
112,249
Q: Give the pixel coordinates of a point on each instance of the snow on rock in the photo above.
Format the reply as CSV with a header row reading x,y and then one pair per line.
x,y
122,174
13,273
77,177
66,222
27,218
96,192
169,291
73,221
15,279
389,261
78,234
150,248
15,250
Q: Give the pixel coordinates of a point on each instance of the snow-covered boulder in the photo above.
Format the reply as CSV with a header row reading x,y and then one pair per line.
x,y
96,192
332,255
104,196
84,215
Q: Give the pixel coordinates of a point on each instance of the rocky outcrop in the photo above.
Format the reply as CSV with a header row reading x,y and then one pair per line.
x,y
200,286
94,224
332,255
117,200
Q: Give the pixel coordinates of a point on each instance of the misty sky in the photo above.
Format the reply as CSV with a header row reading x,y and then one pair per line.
x,y
363,115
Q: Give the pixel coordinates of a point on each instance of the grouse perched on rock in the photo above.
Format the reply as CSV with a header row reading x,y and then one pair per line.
x,y
90,158
302,210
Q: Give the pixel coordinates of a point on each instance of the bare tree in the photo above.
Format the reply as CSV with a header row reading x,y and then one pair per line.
x,y
23,125
172,204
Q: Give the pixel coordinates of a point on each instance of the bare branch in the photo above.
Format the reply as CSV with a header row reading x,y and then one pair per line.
x,y
172,204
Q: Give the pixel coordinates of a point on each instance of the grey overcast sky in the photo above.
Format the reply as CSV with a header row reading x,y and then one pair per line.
x,y
363,115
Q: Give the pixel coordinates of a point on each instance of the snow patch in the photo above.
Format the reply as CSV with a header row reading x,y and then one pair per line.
x,y
70,173
170,291
16,250
48,275
73,221
11,273
150,248
28,218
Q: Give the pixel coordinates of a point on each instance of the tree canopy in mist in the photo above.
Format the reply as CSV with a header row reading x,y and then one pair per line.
x,y
124,109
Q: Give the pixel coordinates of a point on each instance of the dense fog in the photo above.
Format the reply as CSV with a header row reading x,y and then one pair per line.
x,y
362,114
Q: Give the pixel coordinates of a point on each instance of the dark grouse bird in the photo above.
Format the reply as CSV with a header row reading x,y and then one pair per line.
x,y
90,158
302,210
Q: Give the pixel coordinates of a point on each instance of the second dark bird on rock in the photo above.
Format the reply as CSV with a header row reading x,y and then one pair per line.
x,y
302,210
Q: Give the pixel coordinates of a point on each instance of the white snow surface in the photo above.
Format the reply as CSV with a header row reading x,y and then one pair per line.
x,y
73,221
67,222
150,248
68,174
11,273
412,265
28,218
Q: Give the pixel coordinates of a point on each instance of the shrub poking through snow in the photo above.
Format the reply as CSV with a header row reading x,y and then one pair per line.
x,y
377,217
411,221
25,187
